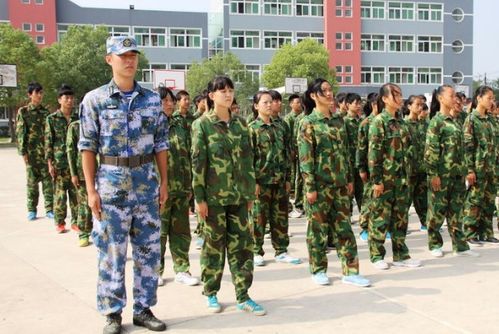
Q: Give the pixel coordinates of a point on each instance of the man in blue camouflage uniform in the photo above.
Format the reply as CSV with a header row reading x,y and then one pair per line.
x,y
125,125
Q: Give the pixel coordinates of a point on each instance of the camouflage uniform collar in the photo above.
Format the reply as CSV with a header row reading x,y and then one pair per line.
x,y
260,122
213,117
387,116
476,113
320,116
58,113
355,118
32,107
177,113
113,89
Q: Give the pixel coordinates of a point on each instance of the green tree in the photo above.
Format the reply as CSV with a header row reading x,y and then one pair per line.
x,y
228,64
307,59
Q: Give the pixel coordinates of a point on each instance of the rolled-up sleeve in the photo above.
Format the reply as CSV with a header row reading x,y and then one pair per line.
x,y
161,135
89,125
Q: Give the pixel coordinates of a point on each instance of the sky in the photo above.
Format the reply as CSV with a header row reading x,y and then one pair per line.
x,y
485,29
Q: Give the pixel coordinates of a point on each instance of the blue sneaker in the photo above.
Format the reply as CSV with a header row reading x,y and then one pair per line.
x,y
213,304
423,228
251,307
388,236
364,235
32,215
199,242
320,278
286,258
50,215
356,280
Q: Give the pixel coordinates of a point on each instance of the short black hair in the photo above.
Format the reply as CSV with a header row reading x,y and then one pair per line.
x,y
34,87
275,95
181,93
292,97
65,90
164,92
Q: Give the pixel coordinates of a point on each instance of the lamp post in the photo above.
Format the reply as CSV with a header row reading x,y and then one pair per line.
x,y
131,8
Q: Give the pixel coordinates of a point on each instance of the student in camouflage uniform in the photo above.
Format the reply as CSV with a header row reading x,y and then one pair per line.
x,y
418,185
352,122
123,123
480,158
444,159
175,216
272,172
56,129
84,220
327,175
341,106
30,126
496,127
370,110
296,181
389,156
224,188
200,103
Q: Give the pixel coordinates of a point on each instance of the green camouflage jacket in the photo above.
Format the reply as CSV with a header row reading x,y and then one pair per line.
x,y
479,148
417,129
56,129
352,125
270,159
30,126
444,150
222,161
179,159
74,156
323,151
363,145
290,120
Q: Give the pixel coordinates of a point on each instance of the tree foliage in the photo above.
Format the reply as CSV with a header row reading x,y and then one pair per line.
x,y
307,59
228,64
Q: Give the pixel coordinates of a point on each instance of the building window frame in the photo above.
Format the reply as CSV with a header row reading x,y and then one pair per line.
x,y
276,7
457,77
185,38
372,75
244,7
38,2
402,75
150,37
250,39
279,39
27,26
401,10
457,46
315,35
430,12
370,44
313,8
40,39
26,2
40,27
115,30
434,44
458,14
147,72
372,10
429,75
401,43
255,72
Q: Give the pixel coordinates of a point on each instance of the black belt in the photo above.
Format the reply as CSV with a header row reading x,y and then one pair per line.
x,y
132,162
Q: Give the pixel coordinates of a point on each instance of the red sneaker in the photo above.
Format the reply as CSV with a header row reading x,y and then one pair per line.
x,y
75,228
60,228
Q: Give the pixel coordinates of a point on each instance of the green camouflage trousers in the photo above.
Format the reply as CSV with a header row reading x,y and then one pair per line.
x,y
62,189
271,208
332,209
478,208
446,203
298,187
34,175
227,230
389,213
418,192
84,220
366,205
175,226
358,189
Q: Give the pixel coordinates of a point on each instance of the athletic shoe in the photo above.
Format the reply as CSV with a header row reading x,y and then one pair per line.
x,y
148,320
388,236
75,228
258,261
296,213
437,252
161,281
32,215
50,215
113,324
381,265
490,240
409,263
467,253
60,228
251,307
286,258
423,228
186,278
83,242
475,242
199,242
320,278
364,235
356,280
213,305
267,235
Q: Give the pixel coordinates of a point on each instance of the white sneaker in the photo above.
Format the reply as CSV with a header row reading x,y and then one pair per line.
x,y
186,278
296,213
467,253
381,265
286,258
267,236
161,281
258,261
409,263
437,252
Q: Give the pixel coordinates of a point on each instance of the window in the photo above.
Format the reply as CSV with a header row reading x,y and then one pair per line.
x,y
277,7
118,31
458,14
39,2
457,77
254,72
185,38
373,42
250,7
40,39
372,9
344,8
430,75
348,79
147,73
26,26
401,43
241,39
3,113
318,36
429,12
276,39
372,75
401,75
180,67
150,36
25,2
343,74
40,27
430,44
309,8
457,46
401,10
343,41
348,69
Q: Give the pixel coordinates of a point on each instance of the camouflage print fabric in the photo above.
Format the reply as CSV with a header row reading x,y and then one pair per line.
x,y
444,157
84,213
227,231
418,184
175,228
388,158
56,129
352,124
64,189
362,166
480,158
290,120
30,127
323,154
115,125
298,189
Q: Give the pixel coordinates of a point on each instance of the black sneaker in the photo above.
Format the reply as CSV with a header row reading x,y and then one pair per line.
x,y
475,242
491,240
148,320
113,325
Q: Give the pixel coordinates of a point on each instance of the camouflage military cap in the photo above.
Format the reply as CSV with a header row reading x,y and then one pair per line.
x,y
121,44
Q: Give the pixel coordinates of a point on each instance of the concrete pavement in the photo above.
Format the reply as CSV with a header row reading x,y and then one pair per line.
x,y
48,285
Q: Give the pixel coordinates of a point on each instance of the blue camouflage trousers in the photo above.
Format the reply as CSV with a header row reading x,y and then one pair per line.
x,y
130,208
